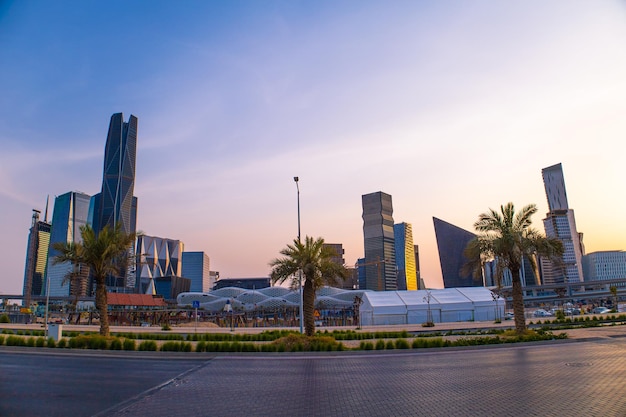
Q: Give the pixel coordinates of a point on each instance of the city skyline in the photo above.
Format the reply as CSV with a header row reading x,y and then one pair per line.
x,y
450,108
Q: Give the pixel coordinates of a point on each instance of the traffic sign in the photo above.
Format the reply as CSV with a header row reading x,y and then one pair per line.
x,y
195,304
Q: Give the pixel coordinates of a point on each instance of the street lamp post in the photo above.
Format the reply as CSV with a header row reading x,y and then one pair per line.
x,y
296,179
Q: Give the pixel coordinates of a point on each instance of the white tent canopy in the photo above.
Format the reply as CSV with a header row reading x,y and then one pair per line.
x,y
446,305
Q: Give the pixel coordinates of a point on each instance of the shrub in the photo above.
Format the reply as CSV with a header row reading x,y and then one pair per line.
x,y
40,342
560,315
62,343
129,344
201,346
148,345
402,344
51,342
15,341
5,318
30,342
390,345
1,340
366,346
429,342
380,344
116,344
92,341
176,347
166,327
295,342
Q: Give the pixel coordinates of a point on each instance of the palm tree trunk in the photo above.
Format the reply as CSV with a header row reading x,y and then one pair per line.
x,y
102,306
518,300
308,299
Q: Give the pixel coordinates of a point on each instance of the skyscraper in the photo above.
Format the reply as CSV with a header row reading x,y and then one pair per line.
x,y
560,223
405,256
196,267
36,257
380,259
451,243
70,213
115,204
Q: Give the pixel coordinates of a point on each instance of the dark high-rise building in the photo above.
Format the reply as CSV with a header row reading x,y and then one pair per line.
x,y
36,258
380,259
420,281
115,204
451,243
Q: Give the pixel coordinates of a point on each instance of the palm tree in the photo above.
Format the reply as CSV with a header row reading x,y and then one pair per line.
x,y
74,277
314,259
102,254
507,237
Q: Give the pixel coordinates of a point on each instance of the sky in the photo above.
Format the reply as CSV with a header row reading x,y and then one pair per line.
x,y
451,107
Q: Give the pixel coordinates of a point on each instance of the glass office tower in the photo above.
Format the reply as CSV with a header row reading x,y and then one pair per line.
x,y
196,267
70,213
380,259
405,256
451,243
561,224
115,204
36,258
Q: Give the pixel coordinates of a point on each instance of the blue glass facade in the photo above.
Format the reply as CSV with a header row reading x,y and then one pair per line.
x,y
116,201
196,267
70,213
115,204
451,242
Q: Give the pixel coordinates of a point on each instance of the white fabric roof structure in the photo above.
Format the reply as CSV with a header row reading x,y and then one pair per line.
x,y
446,305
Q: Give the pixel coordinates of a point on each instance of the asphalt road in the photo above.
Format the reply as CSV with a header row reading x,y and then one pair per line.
x,y
558,379
42,382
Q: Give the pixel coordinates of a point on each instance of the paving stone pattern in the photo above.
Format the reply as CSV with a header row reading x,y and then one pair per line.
x,y
569,379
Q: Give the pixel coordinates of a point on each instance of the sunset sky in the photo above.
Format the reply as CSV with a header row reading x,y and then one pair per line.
x,y
451,107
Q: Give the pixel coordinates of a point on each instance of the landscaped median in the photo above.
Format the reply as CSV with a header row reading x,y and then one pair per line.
x,y
292,341
270,341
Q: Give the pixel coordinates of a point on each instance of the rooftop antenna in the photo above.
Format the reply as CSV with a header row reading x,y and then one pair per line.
x,y
45,217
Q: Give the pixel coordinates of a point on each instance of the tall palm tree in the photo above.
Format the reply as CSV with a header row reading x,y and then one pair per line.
x,y
315,261
102,254
75,276
507,237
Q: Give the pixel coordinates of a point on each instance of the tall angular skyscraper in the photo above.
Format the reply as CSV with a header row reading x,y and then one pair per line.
x,y
405,257
560,223
115,204
451,243
36,257
70,213
380,259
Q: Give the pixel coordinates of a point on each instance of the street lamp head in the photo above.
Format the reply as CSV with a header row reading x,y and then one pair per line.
x,y
295,179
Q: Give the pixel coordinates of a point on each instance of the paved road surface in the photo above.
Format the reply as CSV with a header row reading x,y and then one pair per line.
x,y
585,378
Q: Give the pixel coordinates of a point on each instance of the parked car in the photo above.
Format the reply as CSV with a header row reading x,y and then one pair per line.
x,y
509,316
601,310
542,313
